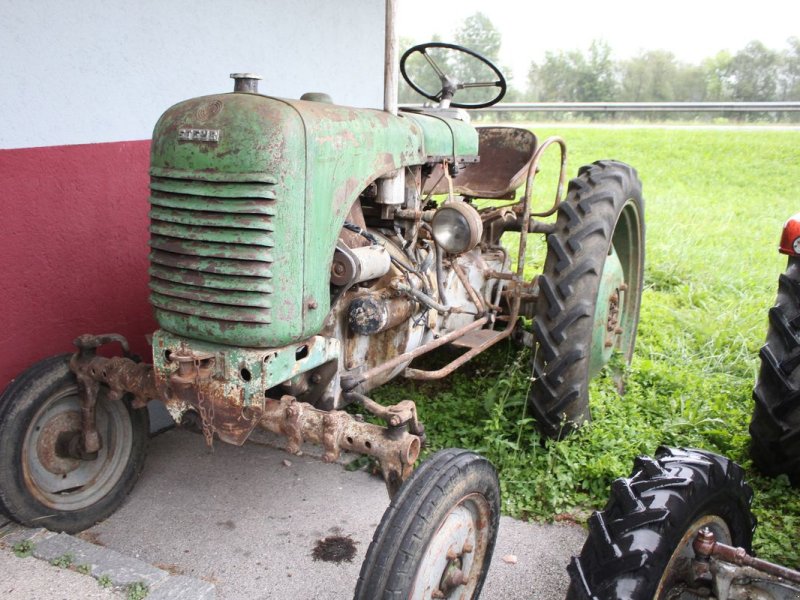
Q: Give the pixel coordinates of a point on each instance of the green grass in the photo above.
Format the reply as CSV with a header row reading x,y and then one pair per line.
x,y
715,203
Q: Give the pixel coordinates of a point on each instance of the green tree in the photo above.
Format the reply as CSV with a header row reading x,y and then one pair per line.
x,y
790,71
478,33
569,76
599,83
716,69
649,77
690,83
753,74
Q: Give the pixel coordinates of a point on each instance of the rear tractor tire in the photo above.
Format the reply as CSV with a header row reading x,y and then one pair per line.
x,y
43,482
590,292
640,545
437,537
775,426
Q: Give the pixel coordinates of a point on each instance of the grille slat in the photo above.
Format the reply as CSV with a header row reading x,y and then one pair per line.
x,y
211,239
211,219
213,189
210,280
209,310
255,206
215,296
224,235
221,266
218,176
209,249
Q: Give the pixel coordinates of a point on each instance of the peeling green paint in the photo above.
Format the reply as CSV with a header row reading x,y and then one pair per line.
x,y
267,201
264,369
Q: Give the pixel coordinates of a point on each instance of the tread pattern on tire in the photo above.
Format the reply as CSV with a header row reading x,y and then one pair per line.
x,y
775,425
632,539
574,263
389,562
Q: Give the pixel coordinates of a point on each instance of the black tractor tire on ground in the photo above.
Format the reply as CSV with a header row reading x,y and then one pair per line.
x,y
601,216
451,502
648,525
41,484
775,426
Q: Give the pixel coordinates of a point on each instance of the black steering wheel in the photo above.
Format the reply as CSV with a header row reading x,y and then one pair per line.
x,y
451,85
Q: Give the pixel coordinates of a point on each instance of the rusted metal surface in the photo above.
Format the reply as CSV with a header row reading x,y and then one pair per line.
x,y
246,82
505,153
396,415
58,446
706,547
374,313
351,382
474,296
352,239
423,375
121,375
525,203
194,382
262,153
395,448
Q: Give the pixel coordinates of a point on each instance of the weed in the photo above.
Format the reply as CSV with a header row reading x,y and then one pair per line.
x,y
84,569
104,581
64,561
137,591
23,549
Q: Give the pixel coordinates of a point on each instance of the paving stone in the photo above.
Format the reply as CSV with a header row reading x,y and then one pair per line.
x,y
181,587
121,570
12,533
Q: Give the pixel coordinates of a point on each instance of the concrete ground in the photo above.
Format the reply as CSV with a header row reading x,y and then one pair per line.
x,y
248,520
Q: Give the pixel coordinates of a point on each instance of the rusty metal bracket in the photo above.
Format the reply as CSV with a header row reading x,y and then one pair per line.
x,y
397,415
195,382
395,448
121,375
707,548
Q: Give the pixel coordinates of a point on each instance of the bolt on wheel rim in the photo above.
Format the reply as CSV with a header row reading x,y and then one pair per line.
x,y
453,558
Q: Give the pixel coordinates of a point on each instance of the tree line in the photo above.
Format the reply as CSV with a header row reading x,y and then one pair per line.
x,y
754,73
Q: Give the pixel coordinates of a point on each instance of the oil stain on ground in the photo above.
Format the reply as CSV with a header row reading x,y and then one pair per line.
x,y
335,549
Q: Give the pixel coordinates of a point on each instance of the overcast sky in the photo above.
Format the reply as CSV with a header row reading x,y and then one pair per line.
x,y
691,29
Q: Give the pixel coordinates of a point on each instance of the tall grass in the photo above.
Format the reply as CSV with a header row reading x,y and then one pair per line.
x,y
715,203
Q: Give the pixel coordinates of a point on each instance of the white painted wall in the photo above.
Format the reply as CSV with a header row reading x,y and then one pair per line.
x,y
86,71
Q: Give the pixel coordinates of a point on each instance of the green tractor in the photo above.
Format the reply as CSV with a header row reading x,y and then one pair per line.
x,y
303,253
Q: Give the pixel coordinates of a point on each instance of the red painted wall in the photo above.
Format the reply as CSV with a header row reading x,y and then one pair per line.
x,y
73,249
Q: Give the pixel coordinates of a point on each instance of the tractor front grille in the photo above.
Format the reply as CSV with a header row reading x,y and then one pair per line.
x,y
212,239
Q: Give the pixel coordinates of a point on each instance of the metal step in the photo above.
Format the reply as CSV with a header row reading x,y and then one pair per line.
x,y
474,339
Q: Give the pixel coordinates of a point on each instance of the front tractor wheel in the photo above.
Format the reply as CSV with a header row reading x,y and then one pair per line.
x,y
437,537
589,292
44,480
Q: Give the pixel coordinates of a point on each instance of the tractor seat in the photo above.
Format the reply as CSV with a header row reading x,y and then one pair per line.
x,y
505,153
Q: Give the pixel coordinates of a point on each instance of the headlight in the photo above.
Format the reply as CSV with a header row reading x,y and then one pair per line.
x,y
457,227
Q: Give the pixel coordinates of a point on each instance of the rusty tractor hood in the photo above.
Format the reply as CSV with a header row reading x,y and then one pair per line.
x,y
248,195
